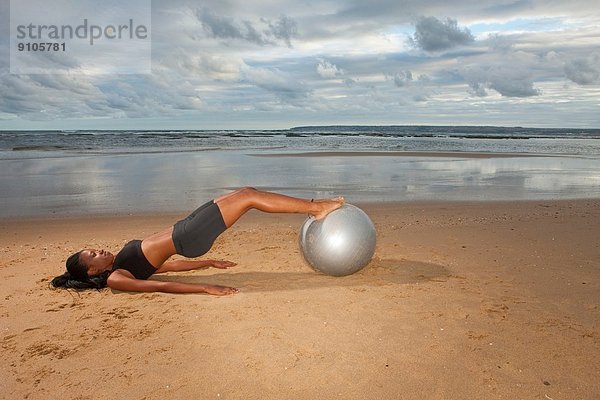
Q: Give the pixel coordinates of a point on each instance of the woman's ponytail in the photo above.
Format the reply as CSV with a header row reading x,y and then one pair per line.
x,y
61,280
76,276
68,282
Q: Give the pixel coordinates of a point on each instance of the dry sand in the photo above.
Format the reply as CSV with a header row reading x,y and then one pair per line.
x,y
462,301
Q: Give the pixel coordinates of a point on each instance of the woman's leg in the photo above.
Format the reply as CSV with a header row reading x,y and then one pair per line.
x,y
234,205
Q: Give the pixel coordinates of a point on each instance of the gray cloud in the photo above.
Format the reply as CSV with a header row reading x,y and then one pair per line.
x,y
349,82
478,89
16,95
284,28
497,42
221,27
514,88
505,68
266,32
584,71
44,96
401,79
511,7
407,88
507,81
328,70
283,86
431,34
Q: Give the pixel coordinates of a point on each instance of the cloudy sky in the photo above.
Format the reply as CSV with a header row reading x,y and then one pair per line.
x,y
275,64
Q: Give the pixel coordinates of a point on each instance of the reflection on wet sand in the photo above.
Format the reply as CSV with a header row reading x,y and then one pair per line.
x,y
136,183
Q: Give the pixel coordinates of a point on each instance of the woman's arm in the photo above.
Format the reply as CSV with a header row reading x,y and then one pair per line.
x,y
188,265
124,281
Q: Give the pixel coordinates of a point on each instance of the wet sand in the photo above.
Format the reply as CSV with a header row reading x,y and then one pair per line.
x,y
156,182
462,301
425,154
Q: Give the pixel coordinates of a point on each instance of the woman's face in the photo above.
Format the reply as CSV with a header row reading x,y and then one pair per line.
x,y
97,261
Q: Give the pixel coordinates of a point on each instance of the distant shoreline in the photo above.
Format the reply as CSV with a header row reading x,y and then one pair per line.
x,y
330,128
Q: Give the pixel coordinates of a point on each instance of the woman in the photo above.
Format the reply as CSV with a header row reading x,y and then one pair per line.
x,y
190,237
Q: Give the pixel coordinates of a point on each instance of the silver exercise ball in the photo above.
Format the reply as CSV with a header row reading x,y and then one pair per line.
x,y
341,243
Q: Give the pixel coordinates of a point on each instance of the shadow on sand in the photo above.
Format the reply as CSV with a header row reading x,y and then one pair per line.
x,y
379,272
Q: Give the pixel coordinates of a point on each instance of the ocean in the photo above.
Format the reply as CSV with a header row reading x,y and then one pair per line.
x,y
113,172
19,144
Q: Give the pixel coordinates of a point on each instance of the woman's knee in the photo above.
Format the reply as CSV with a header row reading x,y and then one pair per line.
x,y
243,197
237,195
246,193
235,204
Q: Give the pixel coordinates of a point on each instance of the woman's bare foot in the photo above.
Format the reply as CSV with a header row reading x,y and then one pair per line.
x,y
324,207
220,290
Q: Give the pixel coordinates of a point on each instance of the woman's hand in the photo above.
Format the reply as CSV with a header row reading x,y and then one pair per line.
x,y
221,264
218,290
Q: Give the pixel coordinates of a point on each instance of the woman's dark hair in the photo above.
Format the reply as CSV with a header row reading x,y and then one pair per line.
x,y
77,277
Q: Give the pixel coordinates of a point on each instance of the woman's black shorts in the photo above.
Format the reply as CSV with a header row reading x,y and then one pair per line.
x,y
194,235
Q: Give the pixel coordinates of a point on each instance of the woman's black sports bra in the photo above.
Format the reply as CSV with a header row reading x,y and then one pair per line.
x,y
132,259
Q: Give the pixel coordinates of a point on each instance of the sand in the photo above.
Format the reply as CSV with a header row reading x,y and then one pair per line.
x,y
462,301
